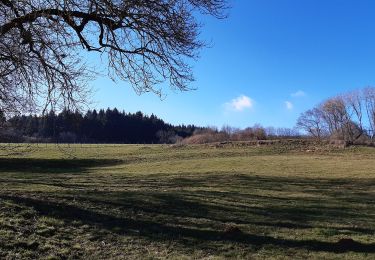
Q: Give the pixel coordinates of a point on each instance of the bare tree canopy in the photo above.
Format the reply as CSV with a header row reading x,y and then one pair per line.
x,y
144,42
312,122
348,117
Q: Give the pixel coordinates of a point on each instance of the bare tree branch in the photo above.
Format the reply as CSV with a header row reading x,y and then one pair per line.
x,y
144,42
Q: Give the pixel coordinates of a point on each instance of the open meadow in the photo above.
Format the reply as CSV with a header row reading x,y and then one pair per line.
x,y
184,202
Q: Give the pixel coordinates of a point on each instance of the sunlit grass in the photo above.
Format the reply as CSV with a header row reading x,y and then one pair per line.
x,y
137,201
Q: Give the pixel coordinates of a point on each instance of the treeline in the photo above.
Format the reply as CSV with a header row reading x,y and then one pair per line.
x,y
349,117
103,126
113,126
228,133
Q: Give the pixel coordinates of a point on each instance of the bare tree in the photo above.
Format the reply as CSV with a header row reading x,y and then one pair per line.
x,y
271,131
369,99
312,121
336,115
344,116
228,130
259,132
246,134
354,103
144,42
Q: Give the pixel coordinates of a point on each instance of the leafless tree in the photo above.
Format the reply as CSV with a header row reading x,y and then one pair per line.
x,y
259,132
270,131
335,114
144,42
246,134
369,99
344,116
256,132
229,130
354,103
312,121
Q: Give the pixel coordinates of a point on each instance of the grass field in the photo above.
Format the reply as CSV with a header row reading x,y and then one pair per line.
x,y
139,201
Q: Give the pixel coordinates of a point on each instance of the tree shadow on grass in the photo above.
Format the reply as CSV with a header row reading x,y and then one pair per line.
x,y
192,210
296,214
160,231
53,166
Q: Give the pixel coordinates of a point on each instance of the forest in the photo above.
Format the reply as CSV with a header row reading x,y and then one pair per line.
x,y
103,126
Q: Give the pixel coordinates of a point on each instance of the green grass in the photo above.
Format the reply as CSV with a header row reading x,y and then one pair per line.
x,y
139,201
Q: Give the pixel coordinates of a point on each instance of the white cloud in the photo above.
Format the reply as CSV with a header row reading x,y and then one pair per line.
x,y
289,105
299,93
240,103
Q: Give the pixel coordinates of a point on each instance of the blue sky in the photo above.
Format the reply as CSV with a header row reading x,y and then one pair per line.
x,y
269,61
